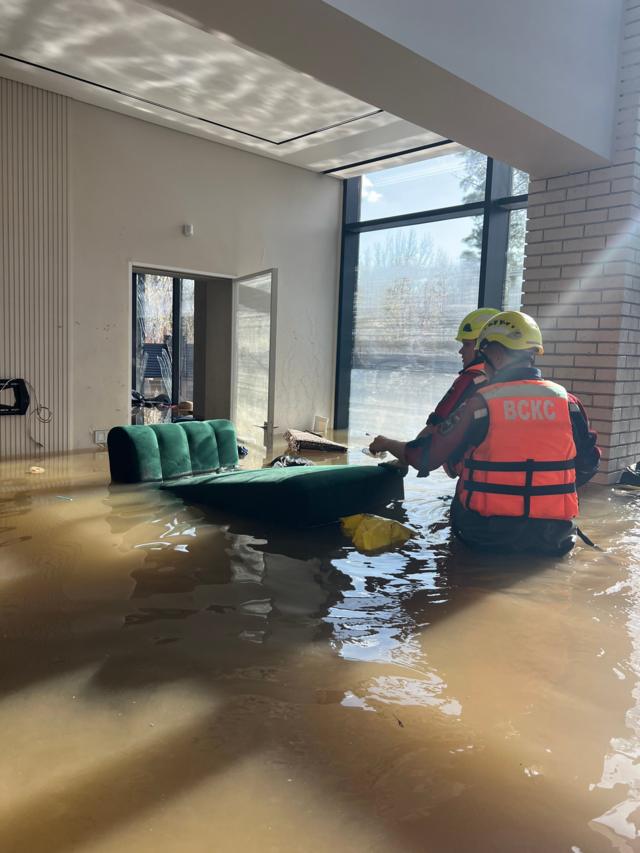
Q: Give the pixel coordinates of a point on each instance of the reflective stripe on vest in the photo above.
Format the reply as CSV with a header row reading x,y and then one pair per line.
x,y
525,466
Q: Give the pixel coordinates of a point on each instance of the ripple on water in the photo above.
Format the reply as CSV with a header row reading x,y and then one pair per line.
x,y
390,674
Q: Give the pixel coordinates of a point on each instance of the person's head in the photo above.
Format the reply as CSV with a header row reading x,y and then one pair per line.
x,y
508,339
468,332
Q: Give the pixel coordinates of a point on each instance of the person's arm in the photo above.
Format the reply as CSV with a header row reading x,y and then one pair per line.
x,y
585,440
396,448
428,452
428,429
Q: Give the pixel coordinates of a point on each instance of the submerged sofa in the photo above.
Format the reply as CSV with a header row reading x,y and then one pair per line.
x,y
189,459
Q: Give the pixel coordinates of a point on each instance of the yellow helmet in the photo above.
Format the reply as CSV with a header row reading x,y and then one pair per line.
x,y
473,322
514,330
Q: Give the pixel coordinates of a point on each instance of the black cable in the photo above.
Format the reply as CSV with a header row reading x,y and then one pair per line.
x,y
41,413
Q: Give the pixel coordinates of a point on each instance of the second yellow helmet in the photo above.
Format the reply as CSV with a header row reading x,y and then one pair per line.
x,y
515,330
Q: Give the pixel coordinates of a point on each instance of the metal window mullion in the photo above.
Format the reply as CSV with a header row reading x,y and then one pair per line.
x,y
436,214
175,340
346,303
134,331
513,202
495,236
418,218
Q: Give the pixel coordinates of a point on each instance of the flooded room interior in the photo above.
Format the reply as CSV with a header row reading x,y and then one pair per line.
x,y
319,426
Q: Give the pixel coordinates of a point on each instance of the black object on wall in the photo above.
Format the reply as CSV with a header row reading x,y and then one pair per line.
x,y
20,397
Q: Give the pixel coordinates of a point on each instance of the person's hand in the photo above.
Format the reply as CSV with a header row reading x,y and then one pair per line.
x,y
378,444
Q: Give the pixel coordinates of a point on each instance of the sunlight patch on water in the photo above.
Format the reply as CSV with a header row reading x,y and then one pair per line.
x,y
622,763
212,661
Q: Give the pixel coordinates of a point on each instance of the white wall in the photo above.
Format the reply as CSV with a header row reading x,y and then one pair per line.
x,y
133,185
555,60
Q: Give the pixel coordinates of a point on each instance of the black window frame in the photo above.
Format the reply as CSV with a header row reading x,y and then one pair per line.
x,y
494,209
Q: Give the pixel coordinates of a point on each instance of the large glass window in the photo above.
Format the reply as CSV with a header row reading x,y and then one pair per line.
x,y
414,285
423,244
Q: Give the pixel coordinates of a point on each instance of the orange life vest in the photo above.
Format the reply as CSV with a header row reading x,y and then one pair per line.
x,y
525,465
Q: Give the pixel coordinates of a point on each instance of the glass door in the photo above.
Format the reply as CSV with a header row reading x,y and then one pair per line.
x,y
162,344
186,342
253,357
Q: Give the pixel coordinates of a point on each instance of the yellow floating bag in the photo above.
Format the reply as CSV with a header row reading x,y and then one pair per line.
x,y
374,533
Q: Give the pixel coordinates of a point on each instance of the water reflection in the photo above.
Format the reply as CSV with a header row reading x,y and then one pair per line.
x,y
206,661
621,823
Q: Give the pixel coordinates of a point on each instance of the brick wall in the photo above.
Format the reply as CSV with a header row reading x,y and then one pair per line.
x,y
582,274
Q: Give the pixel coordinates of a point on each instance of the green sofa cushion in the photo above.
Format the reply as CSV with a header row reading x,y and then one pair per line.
x,y
141,454
299,497
174,450
134,456
203,447
226,440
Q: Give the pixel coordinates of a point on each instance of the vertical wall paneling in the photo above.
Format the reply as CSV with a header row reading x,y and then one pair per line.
x,y
34,263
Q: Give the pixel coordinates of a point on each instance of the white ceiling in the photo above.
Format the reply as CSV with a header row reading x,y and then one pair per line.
x,y
137,60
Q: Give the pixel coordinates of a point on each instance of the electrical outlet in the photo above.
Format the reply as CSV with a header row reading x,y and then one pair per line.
x,y
100,436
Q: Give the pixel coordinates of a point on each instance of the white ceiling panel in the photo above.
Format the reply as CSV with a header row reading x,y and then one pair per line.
x,y
137,60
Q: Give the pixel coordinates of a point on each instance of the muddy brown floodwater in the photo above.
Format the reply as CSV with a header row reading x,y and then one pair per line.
x,y
176,680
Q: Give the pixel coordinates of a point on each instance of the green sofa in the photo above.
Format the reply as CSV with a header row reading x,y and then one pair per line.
x,y
189,459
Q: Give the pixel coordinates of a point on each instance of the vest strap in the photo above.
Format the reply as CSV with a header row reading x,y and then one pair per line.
x,y
525,466
519,491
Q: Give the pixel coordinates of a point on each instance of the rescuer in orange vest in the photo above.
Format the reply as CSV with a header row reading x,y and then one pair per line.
x,y
523,444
